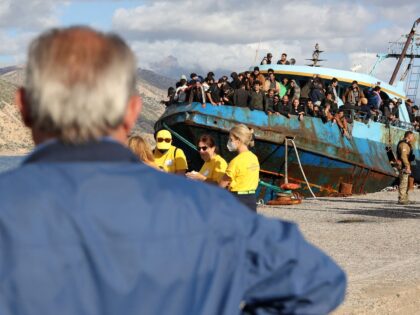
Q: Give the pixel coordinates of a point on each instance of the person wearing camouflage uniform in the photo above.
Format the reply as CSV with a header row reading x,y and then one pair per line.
x,y
405,156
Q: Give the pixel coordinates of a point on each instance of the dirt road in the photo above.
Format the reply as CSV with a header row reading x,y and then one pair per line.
x,y
374,239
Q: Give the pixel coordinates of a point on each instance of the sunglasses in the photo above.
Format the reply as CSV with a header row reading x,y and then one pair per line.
x,y
167,140
202,148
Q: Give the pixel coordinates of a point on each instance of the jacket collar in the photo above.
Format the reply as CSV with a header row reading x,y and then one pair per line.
x,y
103,150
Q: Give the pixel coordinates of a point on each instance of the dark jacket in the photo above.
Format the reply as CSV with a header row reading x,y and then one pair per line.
x,y
241,98
90,230
257,100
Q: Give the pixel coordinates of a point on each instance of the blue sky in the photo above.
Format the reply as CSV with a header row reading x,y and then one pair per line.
x,y
180,36
95,13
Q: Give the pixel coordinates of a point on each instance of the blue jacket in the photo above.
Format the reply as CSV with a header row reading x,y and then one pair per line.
x,y
89,230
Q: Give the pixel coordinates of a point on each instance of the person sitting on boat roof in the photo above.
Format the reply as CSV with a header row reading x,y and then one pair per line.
x,y
267,60
241,96
257,75
292,61
294,90
353,94
279,108
272,84
257,97
214,94
297,109
214,166
332,88
342,123
168,157
283,60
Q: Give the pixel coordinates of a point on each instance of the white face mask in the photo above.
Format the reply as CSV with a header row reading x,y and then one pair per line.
x,y
231,146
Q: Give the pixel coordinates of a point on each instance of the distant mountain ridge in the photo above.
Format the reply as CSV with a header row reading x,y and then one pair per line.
x,y
15,138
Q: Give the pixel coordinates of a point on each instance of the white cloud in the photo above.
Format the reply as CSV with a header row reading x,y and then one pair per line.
x,y
225,34
23,14
244,22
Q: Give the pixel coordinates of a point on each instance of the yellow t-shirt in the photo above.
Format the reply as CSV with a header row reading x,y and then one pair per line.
x,y
214,169
169,162
244,171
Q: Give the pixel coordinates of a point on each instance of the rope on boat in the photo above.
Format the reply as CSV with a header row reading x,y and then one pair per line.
x,y
300,164
263,183
180,137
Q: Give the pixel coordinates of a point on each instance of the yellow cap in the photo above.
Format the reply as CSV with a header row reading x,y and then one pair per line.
x,y
163,134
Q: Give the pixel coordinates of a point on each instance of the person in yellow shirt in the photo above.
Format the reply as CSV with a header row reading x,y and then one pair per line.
x,y
142,150
242,173
214,166
168,157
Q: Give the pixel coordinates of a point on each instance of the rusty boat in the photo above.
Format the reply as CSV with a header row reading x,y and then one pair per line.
x,y
329,160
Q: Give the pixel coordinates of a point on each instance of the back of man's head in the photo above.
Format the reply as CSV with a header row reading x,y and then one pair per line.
x,y
78,83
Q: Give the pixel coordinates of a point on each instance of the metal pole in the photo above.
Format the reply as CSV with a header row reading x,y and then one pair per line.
x,y
404,51
286,177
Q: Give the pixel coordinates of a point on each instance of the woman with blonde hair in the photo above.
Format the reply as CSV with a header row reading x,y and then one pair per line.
x,y
242,173
142,150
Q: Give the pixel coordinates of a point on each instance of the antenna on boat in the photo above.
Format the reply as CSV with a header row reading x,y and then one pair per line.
x,y
408,46
315,57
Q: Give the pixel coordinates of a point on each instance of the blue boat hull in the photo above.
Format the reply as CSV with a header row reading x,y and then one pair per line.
x,y
327,157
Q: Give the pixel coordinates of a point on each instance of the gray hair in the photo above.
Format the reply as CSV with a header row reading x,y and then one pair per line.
x,y
78,83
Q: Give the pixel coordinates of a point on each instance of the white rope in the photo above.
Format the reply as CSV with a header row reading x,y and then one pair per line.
x,y
286,176
300,165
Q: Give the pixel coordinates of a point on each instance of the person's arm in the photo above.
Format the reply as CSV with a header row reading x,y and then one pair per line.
x,y
224,181
210,98
287,275
405,150
196,175
180,161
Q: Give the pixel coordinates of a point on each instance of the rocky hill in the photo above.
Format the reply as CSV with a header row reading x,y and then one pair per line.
x,y
15,138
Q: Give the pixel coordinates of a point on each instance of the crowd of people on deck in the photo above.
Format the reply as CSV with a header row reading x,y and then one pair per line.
x,y
294,99
240,176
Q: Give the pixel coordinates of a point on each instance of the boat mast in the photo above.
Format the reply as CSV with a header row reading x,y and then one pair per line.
x,y
404,51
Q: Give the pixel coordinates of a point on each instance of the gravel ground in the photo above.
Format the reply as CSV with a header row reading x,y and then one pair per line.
x,y
374,239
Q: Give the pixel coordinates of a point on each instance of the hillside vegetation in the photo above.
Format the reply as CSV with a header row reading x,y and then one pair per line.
x,y
15,138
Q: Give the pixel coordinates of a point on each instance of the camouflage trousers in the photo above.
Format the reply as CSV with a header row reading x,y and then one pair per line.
x,y
403,188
